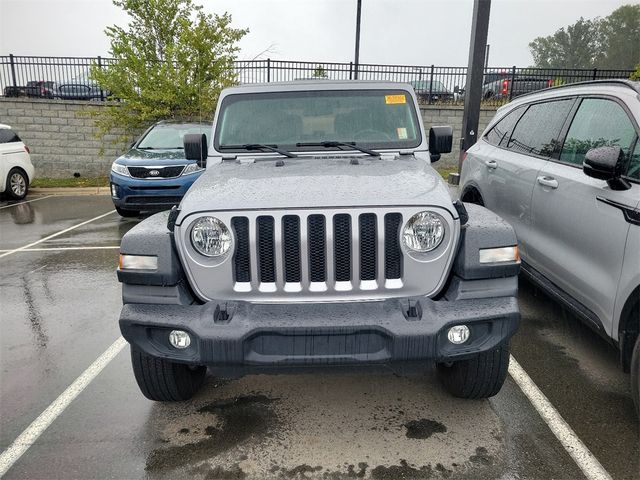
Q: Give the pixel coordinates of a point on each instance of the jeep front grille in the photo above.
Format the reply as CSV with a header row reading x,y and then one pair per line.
x,y
295,252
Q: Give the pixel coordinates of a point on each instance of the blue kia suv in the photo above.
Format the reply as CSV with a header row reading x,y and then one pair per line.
x,y
154,174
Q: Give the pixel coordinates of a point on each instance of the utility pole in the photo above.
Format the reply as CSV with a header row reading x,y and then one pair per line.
x,y
478,51
357,58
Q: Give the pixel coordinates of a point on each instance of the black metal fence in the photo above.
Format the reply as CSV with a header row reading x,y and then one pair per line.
x,y
69,78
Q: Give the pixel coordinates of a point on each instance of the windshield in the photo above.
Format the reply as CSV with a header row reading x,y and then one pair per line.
x,y
383,119
169,136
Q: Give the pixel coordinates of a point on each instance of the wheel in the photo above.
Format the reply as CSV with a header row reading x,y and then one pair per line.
x,y
165,381
127,213
17,184
473,196
479,377
635,375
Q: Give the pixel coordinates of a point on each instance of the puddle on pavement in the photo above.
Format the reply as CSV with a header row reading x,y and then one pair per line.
x,y
325,426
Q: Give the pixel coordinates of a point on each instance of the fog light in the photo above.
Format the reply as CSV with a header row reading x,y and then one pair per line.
x,y
179,339
114,191
458,334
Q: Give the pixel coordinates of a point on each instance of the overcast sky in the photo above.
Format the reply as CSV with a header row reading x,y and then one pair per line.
x,y
414,32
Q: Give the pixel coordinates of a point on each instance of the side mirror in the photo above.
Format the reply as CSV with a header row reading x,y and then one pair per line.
x,y
440,141
195,148
606,163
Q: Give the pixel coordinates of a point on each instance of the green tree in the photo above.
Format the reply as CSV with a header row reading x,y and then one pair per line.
x,y
577,46
319,72
620,33
171,61
608,43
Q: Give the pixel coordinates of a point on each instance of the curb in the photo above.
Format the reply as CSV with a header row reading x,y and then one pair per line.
x,y
70,191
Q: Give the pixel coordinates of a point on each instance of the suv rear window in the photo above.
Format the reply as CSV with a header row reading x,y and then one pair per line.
x,y
501,131
8,136
536,133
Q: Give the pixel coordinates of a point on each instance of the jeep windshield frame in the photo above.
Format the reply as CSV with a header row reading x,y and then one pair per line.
x,y
302,120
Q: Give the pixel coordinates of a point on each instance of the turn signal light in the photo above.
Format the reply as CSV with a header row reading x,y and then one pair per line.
x,y
137,262
500,255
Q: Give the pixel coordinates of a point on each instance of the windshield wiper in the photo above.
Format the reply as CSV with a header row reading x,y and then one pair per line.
x,y
260,146
335,144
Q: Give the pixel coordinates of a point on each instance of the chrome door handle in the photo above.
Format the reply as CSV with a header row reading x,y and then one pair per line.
x,y
548,182
491,164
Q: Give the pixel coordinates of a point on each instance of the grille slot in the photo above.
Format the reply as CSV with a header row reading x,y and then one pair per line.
x,y
368,249
241,258
392,251
317,248
291,246
266,249
342,246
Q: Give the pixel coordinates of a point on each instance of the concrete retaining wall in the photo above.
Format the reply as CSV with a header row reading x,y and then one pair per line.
x,y
62,137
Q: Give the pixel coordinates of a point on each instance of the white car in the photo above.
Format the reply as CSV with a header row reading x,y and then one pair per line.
x,y
16,169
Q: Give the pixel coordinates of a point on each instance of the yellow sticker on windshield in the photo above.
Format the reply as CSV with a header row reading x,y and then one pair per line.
x,y
394,99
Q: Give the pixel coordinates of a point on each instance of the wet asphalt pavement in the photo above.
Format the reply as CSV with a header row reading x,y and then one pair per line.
x,y
59,310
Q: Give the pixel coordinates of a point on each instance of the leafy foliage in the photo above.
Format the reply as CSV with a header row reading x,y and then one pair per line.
x,y
172,61
636,75
320,72
612,42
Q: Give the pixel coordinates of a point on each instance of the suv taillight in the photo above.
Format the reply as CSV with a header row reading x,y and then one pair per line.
x,y
505,86
26,149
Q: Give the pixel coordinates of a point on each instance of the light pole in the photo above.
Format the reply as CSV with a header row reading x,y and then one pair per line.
x,y
357,56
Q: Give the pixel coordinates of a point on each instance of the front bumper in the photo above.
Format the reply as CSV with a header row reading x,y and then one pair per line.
x,y
259,335
148,195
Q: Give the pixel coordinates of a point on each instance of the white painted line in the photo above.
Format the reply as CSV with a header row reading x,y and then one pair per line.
x,y
62,249
55,234
27,438
27,201
583,457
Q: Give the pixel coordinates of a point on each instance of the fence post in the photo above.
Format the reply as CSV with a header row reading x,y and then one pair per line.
x,y
100,67
350,70
13,70
513,80
430,86
595,73
268,70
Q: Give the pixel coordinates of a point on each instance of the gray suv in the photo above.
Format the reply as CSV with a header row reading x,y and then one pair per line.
x,y
319,236
563,167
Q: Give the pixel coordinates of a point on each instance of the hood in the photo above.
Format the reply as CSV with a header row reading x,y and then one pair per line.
x,y
308,182
145,158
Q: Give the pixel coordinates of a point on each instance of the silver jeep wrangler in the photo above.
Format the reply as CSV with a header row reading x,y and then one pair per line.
x,y
319,236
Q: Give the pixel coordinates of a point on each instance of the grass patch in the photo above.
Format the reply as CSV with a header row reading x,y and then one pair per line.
x,y
70,182
445,170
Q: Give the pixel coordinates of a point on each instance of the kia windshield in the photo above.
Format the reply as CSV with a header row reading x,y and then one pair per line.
x,y
169,136
318,120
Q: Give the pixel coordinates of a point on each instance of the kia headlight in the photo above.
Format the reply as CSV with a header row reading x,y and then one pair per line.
x,y
210,237
191,168
119,169
423,232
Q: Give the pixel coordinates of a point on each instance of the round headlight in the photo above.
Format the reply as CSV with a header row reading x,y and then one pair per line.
x,y
423,232
210,237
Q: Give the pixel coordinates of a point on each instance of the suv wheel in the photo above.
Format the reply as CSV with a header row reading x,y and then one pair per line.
x,y
127,213
479,377
635,375
165,381
17,184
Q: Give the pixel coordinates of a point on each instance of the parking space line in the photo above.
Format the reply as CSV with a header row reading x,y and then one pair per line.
x,y
580,453
62,249
55,234
27,438
27,201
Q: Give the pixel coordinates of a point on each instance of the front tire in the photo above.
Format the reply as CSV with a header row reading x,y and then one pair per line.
x,y
635,375
127,213
165,381
479,377
17,184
